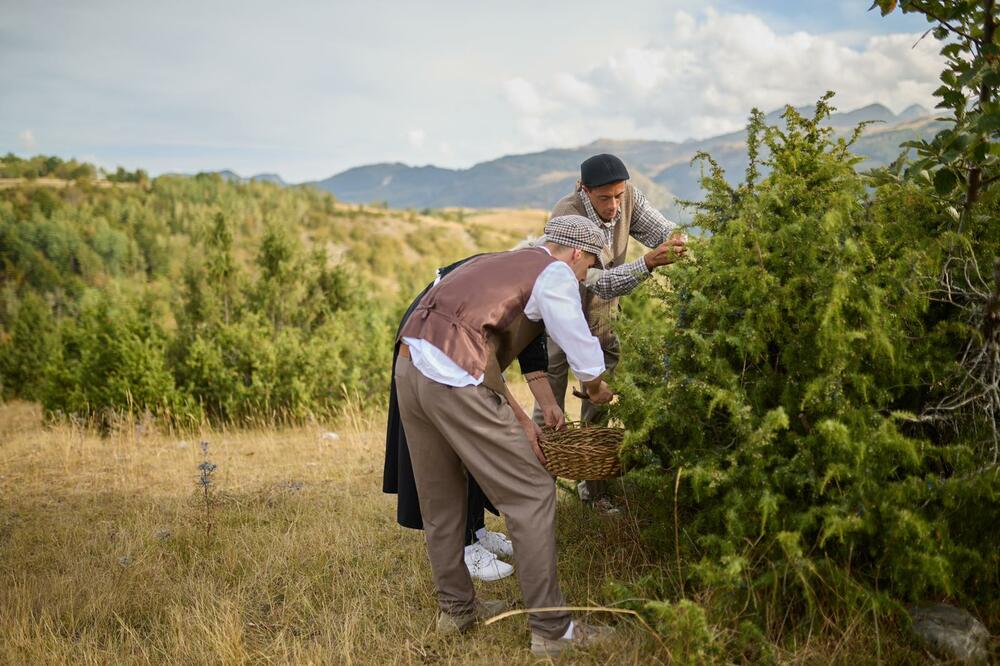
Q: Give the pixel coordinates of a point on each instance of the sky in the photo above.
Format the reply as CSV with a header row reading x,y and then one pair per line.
x,y
309,88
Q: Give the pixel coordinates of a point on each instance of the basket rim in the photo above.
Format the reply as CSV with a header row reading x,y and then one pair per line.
x,y
571,454
582,425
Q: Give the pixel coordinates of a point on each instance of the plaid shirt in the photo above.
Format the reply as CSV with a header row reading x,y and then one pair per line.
x,y
649,227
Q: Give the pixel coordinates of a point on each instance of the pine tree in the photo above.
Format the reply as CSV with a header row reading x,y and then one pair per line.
x,y
799,330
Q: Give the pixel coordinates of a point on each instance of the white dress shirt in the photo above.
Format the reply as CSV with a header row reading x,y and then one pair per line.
x,y
555,300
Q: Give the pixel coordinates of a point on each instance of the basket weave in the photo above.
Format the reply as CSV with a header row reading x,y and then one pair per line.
x,y
582,452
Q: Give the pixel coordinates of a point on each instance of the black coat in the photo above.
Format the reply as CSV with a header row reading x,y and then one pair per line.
x,y
397,475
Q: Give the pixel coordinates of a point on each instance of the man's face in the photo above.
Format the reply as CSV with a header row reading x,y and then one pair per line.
x,y
581,262
606,199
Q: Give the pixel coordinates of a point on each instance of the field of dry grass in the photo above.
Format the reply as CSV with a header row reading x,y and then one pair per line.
x,y
104,555
109,555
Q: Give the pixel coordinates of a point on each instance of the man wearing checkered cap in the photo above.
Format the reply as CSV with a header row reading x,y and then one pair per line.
x,y
459,415
570,231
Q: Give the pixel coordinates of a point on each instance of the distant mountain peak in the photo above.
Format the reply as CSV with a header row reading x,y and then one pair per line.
x,y
913,111
875,107
624,143
268,178
233,177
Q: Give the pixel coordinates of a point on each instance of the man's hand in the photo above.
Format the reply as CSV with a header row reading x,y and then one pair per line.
x,y
531,429
554,417
599,393
540,388
533,432
667,252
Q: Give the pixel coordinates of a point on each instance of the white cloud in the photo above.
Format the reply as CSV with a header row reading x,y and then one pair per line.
x,y
638,71
524,96
574,90
417,137
26,140
708,71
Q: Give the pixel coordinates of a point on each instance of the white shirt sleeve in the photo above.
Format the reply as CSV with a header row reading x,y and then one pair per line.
x,y
555,299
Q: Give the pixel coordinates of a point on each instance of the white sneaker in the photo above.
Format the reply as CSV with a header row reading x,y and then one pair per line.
x,y
484,565
497,543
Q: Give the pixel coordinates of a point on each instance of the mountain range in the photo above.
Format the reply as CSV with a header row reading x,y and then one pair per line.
x,y
661,169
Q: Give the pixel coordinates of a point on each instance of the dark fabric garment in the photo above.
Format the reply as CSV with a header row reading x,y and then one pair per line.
x,y
602,170
535,357
397,473
476,515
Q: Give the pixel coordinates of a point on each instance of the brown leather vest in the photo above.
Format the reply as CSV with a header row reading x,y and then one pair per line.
x,y
601,311
475,314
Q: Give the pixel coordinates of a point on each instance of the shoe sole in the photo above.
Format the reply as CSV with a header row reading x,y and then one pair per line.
x,y
555,652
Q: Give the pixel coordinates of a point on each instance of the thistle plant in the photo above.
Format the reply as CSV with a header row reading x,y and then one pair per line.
x,y
206,469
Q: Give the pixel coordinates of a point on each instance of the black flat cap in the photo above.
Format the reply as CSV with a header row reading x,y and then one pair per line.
x,y
601,170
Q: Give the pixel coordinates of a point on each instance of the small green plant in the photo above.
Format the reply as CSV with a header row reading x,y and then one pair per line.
x,y
205,471
692,640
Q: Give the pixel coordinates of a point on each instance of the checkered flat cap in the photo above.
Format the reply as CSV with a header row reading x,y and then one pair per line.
x,y
577,231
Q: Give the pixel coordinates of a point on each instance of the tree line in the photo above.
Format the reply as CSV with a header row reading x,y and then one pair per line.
x,y
198,299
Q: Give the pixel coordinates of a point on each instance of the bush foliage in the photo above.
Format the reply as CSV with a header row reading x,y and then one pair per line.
x,y
196,298
812,399
787,381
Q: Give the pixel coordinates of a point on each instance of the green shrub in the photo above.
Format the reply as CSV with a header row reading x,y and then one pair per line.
x,y
109,359
779,393
27,349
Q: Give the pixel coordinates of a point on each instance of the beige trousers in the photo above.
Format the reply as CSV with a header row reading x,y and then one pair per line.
x,y
449,430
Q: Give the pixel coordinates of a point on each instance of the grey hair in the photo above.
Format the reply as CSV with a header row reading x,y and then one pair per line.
x,y
530,242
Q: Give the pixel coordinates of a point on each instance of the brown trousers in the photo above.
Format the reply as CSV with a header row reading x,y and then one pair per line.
x,y
450,430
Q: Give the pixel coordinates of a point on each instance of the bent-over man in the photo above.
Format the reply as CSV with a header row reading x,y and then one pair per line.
x,y
459,415
483,547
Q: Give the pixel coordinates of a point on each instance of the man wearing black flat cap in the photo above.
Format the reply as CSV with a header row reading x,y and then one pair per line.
x,y
605,195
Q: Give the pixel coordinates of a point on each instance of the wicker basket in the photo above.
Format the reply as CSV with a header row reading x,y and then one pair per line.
x,y
582,452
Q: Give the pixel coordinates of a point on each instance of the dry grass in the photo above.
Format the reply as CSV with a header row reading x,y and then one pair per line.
x,y
104,556
58,183
521,222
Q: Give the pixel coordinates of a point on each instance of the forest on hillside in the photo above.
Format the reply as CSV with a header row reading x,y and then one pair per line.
x,y
196,298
